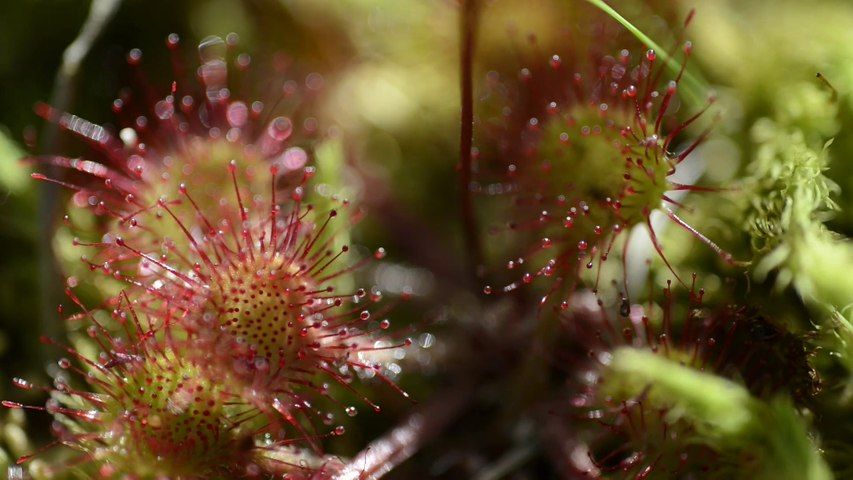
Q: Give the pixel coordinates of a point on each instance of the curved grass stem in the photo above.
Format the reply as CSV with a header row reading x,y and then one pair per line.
x,y
694,85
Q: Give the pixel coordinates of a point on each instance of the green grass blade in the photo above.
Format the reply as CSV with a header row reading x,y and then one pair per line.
x,y
695,87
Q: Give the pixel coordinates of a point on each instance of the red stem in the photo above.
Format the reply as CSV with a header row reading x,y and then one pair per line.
x,y
468,31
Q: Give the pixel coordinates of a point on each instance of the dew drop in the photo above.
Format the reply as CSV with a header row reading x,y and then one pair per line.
x,y
164,109
280,128
351,411
552,108
314,81
261,364
128,137
243,61
671,87
533,124
555,61
237,114
232,39
22,384
294,158
134,56
173,40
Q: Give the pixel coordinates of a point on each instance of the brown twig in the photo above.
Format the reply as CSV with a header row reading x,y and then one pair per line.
x,y
468,33
100,13
822,78
396,446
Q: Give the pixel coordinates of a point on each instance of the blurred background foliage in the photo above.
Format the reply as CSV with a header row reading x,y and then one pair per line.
x,y
390,85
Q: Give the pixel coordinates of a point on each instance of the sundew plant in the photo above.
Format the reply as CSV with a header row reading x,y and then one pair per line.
x,y
416,239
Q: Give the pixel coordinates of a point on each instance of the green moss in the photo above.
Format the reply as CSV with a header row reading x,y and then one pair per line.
x,y
754,439
793,198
